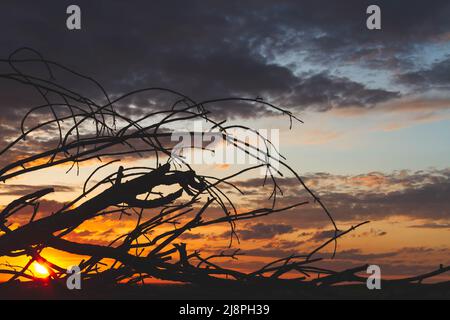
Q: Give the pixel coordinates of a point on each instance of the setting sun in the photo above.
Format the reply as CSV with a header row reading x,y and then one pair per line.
x,y
40,269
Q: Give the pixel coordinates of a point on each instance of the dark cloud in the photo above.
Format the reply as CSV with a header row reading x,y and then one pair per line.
x,y
337,32
46,208
358,255
225,49
21,190
261,231
272,253
432,226
374,196
324,92
437,76
321,236
264,231
428,202
397,262
282,244
192,236
229,49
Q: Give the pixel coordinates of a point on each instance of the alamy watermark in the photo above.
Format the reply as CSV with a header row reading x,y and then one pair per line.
x,y
73,21
241,146
73,281
373,282
373,21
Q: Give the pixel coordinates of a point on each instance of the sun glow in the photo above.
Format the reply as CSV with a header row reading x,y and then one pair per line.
x,y
41,270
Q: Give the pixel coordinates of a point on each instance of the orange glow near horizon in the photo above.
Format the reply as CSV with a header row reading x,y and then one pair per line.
x,y
390,241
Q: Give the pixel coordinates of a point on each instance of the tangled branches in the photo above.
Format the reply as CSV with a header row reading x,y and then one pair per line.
x,y
99,128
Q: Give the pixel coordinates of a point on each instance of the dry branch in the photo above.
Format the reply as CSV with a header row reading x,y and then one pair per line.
x,y
88,128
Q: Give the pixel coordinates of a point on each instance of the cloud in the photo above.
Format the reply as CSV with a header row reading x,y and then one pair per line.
x,y
213,52
23,216
283,244
401,261
372,196
264,231
358,255
260,231
272,253
192,236
21,190
436,76
432,226
276,51
324,92
428,202
321,236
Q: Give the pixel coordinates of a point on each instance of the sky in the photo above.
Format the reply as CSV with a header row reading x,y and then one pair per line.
x,y
375,105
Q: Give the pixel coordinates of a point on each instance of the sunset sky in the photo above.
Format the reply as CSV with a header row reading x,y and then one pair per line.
x,y
375,104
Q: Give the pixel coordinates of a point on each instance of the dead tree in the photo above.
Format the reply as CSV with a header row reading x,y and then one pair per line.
x,y
88,129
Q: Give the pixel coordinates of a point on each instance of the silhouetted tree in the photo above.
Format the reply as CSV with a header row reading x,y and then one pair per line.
x,y
100,129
